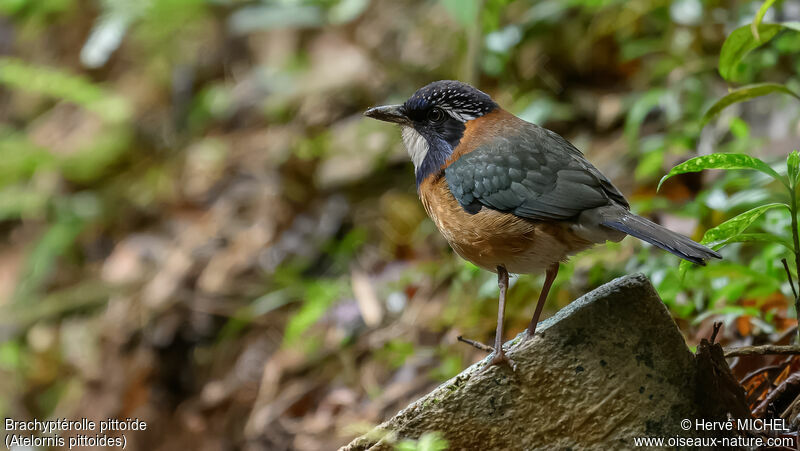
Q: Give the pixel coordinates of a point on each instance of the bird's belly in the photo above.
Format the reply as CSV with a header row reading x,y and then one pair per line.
x,y
491,238
522,246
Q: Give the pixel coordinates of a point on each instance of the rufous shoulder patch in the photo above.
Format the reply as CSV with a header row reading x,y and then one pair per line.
x,y
481,130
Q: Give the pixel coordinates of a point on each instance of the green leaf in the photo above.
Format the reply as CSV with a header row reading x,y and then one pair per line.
x,y
752,237
793,166
759,17
684,266
741,42
791,25
745,93
730,231
736,225
721,161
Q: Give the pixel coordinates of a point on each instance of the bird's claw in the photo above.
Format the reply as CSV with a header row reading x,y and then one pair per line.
x,y
499,358
528,335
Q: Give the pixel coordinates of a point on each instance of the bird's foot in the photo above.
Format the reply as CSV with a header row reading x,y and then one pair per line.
x,y
499,358
476,344
528,335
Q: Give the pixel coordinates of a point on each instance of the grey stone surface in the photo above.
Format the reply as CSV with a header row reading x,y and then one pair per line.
x,y
609,367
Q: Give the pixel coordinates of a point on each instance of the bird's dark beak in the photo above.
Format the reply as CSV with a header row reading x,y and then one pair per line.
x,y
388,113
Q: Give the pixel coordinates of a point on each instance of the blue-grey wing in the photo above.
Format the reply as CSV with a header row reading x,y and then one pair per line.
x,y
535,174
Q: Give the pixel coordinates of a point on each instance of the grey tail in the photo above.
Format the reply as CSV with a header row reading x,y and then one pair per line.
x,y
662,237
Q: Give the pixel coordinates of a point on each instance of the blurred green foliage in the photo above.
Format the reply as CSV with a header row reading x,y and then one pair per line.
x,y
125,119
738,44
430,441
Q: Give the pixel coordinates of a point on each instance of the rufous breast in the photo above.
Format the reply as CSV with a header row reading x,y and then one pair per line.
x,y
491,238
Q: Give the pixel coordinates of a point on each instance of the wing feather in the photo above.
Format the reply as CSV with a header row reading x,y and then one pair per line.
x,y
536,174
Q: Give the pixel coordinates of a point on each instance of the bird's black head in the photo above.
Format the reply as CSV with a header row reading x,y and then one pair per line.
x,y
433,121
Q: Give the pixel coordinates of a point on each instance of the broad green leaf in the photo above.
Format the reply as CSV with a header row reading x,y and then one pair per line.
x,y
728,231
721,161
745,93
727,268
793,166
736,225
741,42
750,238
759,17
684,266
791,25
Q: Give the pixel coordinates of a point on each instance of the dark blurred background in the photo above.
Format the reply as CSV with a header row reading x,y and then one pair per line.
x,y
199,229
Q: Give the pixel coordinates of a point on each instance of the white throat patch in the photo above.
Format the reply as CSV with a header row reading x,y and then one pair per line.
x,y
416,145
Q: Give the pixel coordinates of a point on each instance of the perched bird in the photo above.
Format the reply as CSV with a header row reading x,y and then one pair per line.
x,y
509,195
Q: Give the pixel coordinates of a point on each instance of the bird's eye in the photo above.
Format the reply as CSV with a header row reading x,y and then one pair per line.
x,y
436,115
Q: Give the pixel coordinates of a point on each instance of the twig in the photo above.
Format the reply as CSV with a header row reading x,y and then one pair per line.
x,y
766,369
789,275
793,407
791,383
763,350
476,344
755,393
717,327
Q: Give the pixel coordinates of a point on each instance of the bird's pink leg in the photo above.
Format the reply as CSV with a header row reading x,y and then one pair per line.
x,y
549,277
499,356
